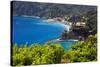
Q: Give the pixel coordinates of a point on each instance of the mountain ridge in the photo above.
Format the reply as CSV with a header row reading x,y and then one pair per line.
x,y
49,9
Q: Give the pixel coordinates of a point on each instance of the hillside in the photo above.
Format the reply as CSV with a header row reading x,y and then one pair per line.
x,y
49,10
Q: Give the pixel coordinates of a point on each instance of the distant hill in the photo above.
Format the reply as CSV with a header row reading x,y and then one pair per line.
x,y
49,9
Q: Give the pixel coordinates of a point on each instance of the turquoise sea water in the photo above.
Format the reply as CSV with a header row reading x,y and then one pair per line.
x,y
35,30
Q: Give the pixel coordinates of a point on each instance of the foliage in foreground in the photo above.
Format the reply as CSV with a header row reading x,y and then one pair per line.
x,y
85,51
37,54
53,53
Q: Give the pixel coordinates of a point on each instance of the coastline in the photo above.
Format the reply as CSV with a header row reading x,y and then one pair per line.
x,y
46,19
67,27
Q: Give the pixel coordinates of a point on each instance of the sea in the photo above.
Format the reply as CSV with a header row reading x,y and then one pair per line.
x,y
33,30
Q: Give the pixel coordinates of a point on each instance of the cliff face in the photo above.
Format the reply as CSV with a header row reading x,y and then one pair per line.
x,y
49,9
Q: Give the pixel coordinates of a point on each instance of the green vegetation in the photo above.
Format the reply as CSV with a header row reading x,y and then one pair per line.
x,y
47,54
83,51
53,53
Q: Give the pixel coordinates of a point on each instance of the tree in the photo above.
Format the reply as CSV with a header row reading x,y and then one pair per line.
x,y
64,35
37,54
83,51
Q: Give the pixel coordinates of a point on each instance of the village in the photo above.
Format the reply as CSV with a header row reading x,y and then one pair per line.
x,y
77,27
73,22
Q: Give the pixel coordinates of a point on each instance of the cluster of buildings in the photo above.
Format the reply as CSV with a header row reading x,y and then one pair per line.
x,y
72,23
